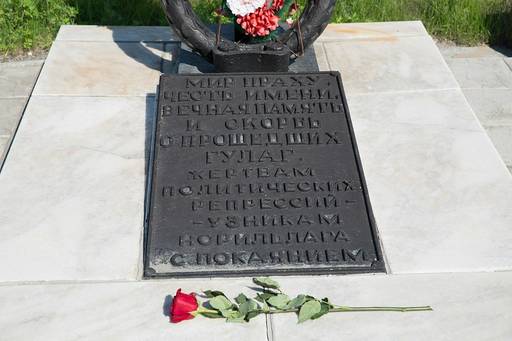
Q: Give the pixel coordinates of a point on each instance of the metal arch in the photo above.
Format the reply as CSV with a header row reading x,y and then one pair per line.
x,y
200,38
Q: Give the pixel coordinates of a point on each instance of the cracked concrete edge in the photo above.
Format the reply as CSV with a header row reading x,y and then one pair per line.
x,y
269,323
508,62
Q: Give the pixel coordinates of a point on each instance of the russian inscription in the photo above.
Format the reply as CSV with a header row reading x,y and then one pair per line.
x,y
257,173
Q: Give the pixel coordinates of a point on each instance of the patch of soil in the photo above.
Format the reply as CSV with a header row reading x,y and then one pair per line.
x,y
36,54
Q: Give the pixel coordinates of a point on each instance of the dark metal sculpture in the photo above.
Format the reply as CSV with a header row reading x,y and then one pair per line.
x,y
229,56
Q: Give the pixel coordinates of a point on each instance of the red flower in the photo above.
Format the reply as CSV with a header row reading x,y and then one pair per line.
x,y
278,4
259,23
182,307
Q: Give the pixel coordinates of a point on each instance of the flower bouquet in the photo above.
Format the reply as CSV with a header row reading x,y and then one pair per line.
x,y
270,299
258,20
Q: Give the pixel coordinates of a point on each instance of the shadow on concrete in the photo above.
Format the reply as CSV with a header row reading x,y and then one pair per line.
x,y
148,53
185,60
166,306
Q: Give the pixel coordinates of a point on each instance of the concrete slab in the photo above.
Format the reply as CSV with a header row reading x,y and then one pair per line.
x,y
478,73
4,142
10,114
72,190
115,311
100,69
439,190
321,57
92,33
373,31
466,307
450,50
18,78
72,201
509,62
435,109
395,64
501,136
492,106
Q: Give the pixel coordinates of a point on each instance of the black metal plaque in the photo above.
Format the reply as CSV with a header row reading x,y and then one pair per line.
x,y
257,174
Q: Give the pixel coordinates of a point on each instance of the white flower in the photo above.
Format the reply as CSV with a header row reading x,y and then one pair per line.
x,y
243,7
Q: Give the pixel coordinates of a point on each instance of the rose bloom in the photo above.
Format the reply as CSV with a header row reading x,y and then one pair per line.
x,y
276,4
183,305
260,23
263,20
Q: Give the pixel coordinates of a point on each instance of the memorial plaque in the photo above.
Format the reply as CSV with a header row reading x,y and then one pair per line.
x,y
257,174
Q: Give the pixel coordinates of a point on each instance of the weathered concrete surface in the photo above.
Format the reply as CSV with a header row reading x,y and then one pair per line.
x,y
16,82
72,197
485,76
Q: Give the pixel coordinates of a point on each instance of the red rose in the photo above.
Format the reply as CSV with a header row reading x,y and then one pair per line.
x,y
182,307
259,23
277,5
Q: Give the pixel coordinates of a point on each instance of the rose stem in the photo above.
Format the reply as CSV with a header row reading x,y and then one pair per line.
x,y
355,309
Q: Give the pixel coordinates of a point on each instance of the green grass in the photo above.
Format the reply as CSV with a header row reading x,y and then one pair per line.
x,y
119,12
462,21
32,24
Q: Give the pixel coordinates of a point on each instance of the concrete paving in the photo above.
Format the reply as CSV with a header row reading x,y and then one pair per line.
x,y
16,82
485,76
72,192
73,186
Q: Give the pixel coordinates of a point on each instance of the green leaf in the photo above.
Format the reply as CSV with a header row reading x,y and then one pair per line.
x,y
265,296
252,314
266,282
296,302
309,309
236,320
231,314
279,301
213,293
262,298
325,300
241,299
220,303
227,11
324,309
247,307
285,9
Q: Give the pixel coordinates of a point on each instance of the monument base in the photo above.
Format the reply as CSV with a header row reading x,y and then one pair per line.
x,y
275,59
72,195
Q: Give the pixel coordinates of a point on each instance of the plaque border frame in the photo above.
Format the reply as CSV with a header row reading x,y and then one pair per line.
x,y
378,266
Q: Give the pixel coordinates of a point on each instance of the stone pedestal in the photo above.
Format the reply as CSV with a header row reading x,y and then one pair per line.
x,y
73,186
